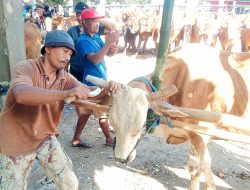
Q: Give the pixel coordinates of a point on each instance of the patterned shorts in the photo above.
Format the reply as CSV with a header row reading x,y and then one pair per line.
x,y
14,171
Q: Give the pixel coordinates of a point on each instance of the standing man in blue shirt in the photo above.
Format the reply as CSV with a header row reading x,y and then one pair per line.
x,y
76,66
92,51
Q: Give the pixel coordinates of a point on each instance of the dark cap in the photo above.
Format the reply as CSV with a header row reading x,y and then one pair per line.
x,y
90,13
80,6
58,38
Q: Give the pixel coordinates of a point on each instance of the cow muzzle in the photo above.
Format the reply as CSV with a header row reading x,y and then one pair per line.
x,y
130,158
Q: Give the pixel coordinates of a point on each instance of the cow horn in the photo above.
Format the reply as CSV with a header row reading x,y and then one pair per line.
x,y
98,81
163,93
87,104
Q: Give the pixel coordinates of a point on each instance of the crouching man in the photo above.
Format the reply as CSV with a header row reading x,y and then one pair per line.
x,y
31,113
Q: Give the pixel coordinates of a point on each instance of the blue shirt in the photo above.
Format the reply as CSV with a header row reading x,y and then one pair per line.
x,y
76,66
87,44
24,12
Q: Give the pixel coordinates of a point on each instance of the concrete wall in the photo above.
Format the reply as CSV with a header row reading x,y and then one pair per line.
x,y
12,49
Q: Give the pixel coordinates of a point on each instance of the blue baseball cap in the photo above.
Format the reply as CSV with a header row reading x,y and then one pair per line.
x,y
58,38
80,6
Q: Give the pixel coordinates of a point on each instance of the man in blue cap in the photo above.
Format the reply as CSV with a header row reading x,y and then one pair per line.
x,y
31,114
76,66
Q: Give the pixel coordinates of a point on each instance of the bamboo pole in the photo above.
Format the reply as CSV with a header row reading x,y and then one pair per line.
x,y
164,41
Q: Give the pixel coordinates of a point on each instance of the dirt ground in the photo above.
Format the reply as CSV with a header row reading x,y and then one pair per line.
x,y
157,165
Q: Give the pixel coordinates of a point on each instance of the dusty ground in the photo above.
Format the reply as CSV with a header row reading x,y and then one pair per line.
x,y
157,165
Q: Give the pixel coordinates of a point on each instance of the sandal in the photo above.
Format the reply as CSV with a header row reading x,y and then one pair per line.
x,y
109,144
82,144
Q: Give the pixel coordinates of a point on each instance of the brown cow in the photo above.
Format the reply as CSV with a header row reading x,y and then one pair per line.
x,y
229,34
211,28
63,23
149,26
214,80
195,35
131,27
131,32
58,23
245,39
32,40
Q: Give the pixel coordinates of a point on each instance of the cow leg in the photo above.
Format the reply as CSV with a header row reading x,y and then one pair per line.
x,y
194,165
207,171
139,45
214,40
243,47
156,47
144,45
133,45
199,161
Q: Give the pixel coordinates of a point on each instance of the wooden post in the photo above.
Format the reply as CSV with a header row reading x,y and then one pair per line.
x,y
11,37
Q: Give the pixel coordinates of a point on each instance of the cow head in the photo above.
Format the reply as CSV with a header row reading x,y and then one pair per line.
x,y
127,116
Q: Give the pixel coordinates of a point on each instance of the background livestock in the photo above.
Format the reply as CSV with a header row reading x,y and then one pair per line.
x,y
139,25
209,28
32,40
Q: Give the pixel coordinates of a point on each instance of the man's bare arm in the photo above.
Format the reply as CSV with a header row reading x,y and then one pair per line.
x,y
29,95
110,40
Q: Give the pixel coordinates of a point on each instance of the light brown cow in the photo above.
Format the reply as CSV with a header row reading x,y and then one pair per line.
x,y
214,80
32,40
149,26
63,23
207,79
131,31
245,39
229,34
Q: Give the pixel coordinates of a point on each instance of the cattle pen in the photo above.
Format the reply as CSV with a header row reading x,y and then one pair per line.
x,y
161,163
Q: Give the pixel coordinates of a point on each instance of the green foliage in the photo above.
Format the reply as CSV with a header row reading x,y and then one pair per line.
x,y
76,1
56,2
